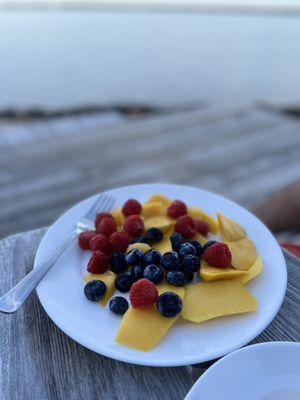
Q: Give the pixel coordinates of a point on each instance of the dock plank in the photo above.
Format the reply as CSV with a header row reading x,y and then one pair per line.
x,y
244,153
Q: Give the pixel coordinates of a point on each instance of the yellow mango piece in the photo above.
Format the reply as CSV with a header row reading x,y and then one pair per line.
x,y
201,239
108,279
196,212
118,216
162,222
166,287
252,272
209,273
152,209
165,245
243,253
142,329
230,230
160,198
208,300
142,246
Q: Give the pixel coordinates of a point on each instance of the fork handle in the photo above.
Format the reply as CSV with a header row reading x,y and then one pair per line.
x,y
12,300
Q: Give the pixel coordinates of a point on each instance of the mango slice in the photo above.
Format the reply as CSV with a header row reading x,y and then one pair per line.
x,y
152,209
209,273
165,244
166,287
252,272
208,300
230,230
201,239
118,216
162,222
108,279
142,246
196,212
160,198
142,329
243,253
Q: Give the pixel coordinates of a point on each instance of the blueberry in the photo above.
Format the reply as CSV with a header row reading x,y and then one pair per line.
x,y
138,239
207,244
176,241
153,273
197,246
151,256
190,263
134,257
94,290
118,305
170,261
118,263
189,276
123,282
169,304
176,278
137,272
187,249
154,235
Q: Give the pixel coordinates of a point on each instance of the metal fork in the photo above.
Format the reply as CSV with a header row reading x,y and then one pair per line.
x,y
12,300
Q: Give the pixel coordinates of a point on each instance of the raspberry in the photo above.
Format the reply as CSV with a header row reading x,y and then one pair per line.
x,y
119,241
186,226
218,255
131,207
202,227
143,293
84,239
176,209
134,225
100,242
98,263
107,226
102,215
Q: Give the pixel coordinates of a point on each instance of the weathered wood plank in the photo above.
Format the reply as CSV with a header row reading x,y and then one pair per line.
x,y
14,134
241,153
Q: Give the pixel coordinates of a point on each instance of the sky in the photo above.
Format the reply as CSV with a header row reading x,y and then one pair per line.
x,y
183,3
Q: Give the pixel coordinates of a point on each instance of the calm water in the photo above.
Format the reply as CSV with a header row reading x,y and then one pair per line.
x,y
60,59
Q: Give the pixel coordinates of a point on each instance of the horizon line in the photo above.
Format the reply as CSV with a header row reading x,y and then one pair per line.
x,y
152,6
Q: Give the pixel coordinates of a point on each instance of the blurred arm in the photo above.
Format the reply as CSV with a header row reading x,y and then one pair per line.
x,y
281,211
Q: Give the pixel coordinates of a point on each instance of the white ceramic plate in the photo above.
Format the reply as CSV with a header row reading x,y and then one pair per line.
x,y
265,371
61,291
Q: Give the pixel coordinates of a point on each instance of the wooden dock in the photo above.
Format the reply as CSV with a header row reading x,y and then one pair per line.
x,y
244,153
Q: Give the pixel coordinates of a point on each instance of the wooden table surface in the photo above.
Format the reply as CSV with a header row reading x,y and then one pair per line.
x,y
46,166
39,362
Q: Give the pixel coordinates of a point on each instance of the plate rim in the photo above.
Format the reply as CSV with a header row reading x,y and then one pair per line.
x,y
233,354
164,363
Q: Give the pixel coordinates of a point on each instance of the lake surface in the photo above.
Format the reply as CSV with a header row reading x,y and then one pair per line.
x,y
60,59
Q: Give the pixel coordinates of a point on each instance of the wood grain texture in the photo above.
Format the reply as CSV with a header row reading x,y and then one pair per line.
x,y
39,362
243,153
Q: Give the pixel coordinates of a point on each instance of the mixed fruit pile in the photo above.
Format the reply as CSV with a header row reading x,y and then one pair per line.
x,y
173,260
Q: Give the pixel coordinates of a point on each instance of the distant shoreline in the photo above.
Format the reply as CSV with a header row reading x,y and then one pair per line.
x,y
260,8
